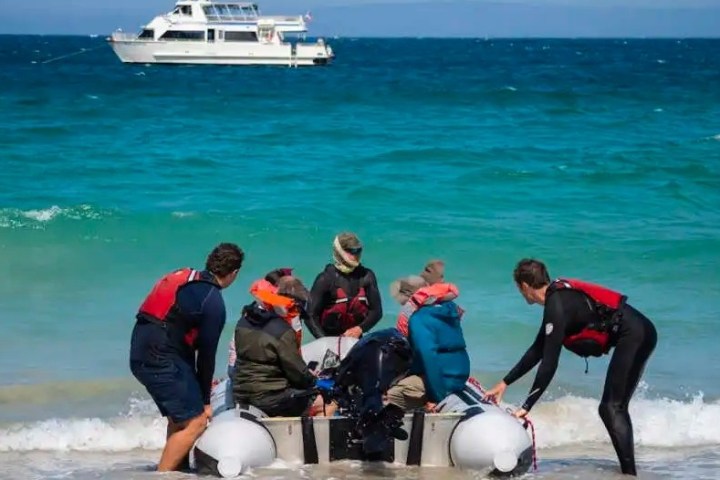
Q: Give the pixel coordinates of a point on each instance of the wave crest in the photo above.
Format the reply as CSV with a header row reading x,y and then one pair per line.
x,y
16,218
662,423
657,423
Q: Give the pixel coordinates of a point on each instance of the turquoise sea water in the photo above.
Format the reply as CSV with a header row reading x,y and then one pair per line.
x,y
601,157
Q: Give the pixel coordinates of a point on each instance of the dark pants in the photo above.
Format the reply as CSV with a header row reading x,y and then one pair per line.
x,y
636,342
283,404
169,379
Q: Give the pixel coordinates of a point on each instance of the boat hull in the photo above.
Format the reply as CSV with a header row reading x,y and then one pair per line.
x,y
221,53
467,433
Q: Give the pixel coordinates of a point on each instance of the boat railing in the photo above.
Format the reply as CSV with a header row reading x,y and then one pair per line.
x,y
247,18
283,18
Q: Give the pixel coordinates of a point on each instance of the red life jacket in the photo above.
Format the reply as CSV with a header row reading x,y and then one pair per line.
x,y
345,312
160,305
595,339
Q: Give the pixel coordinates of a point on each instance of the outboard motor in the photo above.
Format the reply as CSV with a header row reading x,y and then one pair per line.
x,y
374,364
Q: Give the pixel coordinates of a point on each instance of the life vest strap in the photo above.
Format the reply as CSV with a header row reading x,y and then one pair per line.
x,y
143,318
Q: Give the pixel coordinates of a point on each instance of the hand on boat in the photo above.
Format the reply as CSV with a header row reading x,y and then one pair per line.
x,y
496,393
431,407
354,332
520,413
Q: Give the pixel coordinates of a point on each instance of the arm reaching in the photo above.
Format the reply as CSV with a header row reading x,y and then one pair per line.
x,y
529,360
554,327
211,327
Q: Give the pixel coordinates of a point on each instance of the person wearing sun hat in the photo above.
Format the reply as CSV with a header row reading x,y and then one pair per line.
x,y
345,298
431,320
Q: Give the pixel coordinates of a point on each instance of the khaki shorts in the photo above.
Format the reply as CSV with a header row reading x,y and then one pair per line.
x,y
408,393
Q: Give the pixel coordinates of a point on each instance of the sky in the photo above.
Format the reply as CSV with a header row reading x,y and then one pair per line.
x,y
399,18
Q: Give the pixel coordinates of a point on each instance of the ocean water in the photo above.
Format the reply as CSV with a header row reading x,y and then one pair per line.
x,y
601,157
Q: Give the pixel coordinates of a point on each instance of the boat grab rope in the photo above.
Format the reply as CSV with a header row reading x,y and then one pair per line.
x,y
528,423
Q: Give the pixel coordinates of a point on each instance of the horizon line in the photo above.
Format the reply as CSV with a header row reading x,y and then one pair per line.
x,y
416,37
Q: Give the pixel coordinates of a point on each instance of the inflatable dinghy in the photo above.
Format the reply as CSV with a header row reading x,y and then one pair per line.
x,y
466,432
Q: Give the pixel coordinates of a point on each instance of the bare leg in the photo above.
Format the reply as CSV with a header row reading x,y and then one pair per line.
x,y
173,427
181,438
320,409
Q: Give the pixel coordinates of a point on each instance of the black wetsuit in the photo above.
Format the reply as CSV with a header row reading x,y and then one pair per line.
x,y
566,313
322,295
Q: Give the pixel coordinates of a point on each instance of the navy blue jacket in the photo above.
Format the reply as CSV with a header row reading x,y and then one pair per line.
x,y
203,302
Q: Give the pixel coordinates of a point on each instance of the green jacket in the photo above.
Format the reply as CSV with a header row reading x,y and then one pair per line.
x,y
268,359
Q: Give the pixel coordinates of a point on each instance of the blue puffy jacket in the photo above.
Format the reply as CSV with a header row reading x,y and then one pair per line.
x,y
439,350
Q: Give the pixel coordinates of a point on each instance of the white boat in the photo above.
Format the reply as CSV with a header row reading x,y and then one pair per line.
x,y
221,33
467,433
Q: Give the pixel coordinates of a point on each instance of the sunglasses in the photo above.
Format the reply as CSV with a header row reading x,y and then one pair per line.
x,y
354,251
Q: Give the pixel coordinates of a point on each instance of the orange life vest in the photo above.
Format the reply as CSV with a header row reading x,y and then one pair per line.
x,y
430,295
160,304
262,285
595,339
266,294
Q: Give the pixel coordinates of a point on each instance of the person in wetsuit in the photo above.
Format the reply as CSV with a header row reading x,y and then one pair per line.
x,y
344,299
589,320
174,343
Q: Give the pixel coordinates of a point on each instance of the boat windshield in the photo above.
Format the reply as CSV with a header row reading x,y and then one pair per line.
x,y
231,12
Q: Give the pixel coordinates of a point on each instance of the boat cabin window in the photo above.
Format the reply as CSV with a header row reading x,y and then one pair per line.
x,y
236,11
210,13
183,35
147,33
240,36
228,13
183,10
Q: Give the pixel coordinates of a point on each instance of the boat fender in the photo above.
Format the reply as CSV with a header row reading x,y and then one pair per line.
x,y
468,414
207,465
240,411
471,412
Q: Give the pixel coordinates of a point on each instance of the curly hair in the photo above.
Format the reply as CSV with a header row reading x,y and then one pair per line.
x,y
225,259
